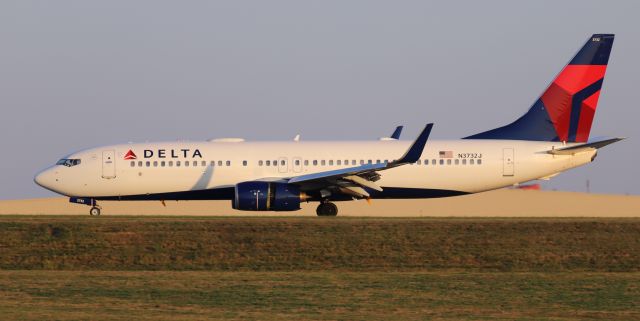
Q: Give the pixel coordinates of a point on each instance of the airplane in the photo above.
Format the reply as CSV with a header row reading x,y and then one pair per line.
x,y
550,138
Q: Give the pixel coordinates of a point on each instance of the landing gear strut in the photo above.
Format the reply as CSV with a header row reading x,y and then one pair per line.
x,y
327,209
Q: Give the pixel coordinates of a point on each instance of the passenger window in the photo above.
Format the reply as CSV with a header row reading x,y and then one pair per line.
x,y
426,162
219,163
268,163
448,162
204,163
369,162
244,163
306,162
433,162
297,162
186,163
260,163
339,162
346,162
362,162
133,163
155,164
457,161
170,163
479,161
195,163
148,163
283,162
322,162
315,162
162,163
228,163
140,164
442,162
471,161
464,162
212,163
177,163
419,162
331,162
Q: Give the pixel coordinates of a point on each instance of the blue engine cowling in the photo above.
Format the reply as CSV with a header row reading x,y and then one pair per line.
x,y
265,196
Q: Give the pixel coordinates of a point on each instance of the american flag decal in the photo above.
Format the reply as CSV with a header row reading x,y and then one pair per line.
x,y
446,154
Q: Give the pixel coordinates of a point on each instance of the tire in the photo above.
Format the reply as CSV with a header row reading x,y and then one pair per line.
x,y
94,211
327,209
332,209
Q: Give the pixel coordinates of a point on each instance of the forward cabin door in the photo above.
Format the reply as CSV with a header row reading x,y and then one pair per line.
x,y
507,162
108,164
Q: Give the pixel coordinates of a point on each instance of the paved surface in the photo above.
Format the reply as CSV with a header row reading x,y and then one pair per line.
x,y
500,203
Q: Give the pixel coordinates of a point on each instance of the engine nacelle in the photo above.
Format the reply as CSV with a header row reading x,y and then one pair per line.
x,y
266,196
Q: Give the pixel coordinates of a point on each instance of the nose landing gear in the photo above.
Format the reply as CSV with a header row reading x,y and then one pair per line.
x,y
94,211
95,208
327,208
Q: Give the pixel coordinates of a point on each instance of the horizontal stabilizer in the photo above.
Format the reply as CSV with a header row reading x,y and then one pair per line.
x,y
584,147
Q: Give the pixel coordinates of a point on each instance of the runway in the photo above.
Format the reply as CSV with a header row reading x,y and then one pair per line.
x,y
499,203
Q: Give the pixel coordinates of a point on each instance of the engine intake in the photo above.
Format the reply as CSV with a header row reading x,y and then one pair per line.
x,y
266,196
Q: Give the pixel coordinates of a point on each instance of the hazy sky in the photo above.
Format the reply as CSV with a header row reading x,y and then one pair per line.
x,y
78,74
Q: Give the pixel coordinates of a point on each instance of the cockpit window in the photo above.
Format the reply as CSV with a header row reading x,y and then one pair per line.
x,y
68,162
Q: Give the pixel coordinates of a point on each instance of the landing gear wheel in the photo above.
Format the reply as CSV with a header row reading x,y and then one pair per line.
x,y
95,211
327,209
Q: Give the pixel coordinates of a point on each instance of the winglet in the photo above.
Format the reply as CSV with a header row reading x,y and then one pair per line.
x,y
397,132
413,154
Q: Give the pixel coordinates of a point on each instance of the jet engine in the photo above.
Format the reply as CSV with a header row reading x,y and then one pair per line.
x,y
267,196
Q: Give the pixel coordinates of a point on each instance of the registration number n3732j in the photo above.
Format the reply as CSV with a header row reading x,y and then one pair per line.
x,y
469,155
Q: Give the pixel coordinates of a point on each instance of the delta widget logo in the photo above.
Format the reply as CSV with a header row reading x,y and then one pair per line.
x,y
130,155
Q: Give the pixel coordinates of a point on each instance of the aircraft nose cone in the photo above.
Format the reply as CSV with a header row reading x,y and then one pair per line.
x,y
45,179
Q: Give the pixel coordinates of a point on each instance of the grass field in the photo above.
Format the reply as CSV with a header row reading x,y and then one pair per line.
x,y
315,268
40,295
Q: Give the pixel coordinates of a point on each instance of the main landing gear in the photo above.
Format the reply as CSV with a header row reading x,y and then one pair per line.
x,y
327,208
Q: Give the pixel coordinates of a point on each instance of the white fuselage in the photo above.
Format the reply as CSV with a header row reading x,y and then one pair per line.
x,y
466,166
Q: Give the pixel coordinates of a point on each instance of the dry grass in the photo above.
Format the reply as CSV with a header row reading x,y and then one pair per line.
x,y
312,244
123,268
38,295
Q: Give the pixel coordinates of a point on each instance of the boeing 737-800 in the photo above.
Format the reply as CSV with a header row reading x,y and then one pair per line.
x,y
551,137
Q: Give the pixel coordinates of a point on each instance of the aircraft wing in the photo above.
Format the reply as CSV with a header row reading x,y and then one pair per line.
x,y
353,180
595,144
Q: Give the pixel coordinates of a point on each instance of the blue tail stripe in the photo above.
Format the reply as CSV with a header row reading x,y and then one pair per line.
x,y
576,107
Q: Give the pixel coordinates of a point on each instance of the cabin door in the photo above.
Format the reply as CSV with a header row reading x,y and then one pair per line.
x,y
507,162
108,164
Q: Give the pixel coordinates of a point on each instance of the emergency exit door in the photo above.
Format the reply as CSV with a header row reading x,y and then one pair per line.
x,y
108,164
507,162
